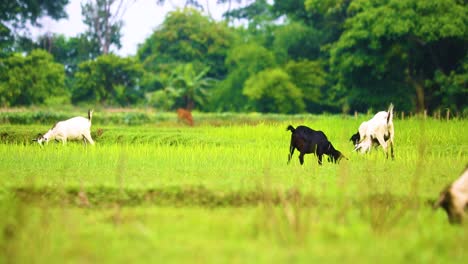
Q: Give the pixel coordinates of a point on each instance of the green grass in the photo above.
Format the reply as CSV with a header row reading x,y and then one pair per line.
x,y
235,235
222,192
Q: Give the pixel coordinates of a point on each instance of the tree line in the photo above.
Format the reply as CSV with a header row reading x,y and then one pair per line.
x,y
289,56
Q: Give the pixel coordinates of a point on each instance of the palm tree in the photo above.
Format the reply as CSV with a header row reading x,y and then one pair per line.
x,y
189,85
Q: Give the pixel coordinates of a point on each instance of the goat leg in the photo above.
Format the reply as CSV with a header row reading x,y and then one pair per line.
x,y
319,159
383,144
391,149
291,152
301,158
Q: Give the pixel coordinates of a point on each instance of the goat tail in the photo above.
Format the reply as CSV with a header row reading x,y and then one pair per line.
x,y
291,128
90,114
390,113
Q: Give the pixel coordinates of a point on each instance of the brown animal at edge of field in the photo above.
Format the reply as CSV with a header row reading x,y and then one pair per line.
x,y
454,199
185,116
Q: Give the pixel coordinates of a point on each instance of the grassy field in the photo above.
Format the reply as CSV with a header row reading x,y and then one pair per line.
x,y
159,191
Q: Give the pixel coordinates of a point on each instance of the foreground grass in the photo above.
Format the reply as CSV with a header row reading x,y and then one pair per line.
x,y
225,194
235,235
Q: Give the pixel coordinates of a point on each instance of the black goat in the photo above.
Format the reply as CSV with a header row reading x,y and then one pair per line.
x,y
307,140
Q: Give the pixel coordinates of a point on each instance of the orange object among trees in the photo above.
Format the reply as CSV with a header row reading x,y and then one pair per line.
x,y
185,116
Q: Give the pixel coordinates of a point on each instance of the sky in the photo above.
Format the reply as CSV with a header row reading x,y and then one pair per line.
x,y
140,20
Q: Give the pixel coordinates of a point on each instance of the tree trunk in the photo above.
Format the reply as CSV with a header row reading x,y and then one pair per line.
x,y
419,88
107,28
189,103
418,85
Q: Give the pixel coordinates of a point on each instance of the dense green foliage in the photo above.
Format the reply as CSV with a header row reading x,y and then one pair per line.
x,y
108,80
31,79
397,47
281,56
224,193
243,61
186,36
273,91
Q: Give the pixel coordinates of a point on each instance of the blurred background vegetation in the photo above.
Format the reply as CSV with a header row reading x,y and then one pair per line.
x,y
288,56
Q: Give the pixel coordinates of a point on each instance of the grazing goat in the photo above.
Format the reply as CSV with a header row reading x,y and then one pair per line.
x,y
185,115
356,138
307,140
75,128
454,199
377,131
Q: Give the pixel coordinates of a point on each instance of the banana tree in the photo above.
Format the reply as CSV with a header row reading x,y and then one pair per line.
x,y
189,85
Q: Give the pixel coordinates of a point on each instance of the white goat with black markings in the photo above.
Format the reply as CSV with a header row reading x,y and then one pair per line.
x,y
378,130
76,128
454,199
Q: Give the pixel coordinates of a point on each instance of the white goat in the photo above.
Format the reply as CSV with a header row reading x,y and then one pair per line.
x,y
454,199
75,128
378,130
